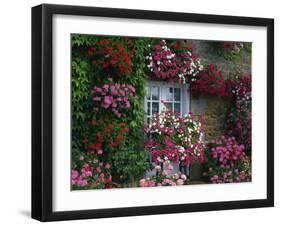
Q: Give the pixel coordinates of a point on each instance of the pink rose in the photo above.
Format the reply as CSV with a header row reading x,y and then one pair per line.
x,y
151,183
180,182
100,152
81,157
183,177
107,166
143,183
98,169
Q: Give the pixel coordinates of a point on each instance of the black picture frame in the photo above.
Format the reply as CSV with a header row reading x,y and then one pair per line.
x,y
42,111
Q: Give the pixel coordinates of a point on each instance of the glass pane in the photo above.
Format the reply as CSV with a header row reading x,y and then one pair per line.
x,y
155,108
148,121
177,107
177,94
155,93
148,108
169,106
148,93
169,94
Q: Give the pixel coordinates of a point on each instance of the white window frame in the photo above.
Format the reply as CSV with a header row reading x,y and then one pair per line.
x,y
184,98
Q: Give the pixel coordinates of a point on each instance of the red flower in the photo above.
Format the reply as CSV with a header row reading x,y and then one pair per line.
x,y
226,45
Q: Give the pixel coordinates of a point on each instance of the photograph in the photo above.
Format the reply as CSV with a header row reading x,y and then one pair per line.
x,y
150,112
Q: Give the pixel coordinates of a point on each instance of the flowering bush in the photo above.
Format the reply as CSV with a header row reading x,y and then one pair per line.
x,y
175,138
91,172
176,63
114,96
105,136
227,162
112,57
239,119
162,178
208,82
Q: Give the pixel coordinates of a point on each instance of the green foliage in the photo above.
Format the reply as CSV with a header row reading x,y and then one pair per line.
x,y
129,164
129,160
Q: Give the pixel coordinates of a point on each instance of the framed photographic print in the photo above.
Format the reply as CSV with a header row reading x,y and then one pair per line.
x,y
147,112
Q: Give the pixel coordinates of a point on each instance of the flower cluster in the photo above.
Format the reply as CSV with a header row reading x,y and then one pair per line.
x,y
162,178
208,82
112,57
105,136
116,97
227,161
93,172
233,47
174,63
175,138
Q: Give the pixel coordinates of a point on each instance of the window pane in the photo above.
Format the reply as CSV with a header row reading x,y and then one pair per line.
x,y
177,94
177,107
155,108
148,93
155,93
169,106
169,94
148,108
148,120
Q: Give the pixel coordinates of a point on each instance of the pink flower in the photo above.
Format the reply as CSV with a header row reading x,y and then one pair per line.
x,y
108,100
102,175
127,104
122,92
105,86
151,183
81,157
165,173
99,90
86,171
107,166
170,167
98,169
100,152
143,183
74,174
180,182
183,177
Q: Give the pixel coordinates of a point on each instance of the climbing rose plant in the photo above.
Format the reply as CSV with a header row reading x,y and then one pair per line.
x,y
175,138
174,63
112,57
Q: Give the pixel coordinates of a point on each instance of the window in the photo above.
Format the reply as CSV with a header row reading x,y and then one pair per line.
x,y
176,96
